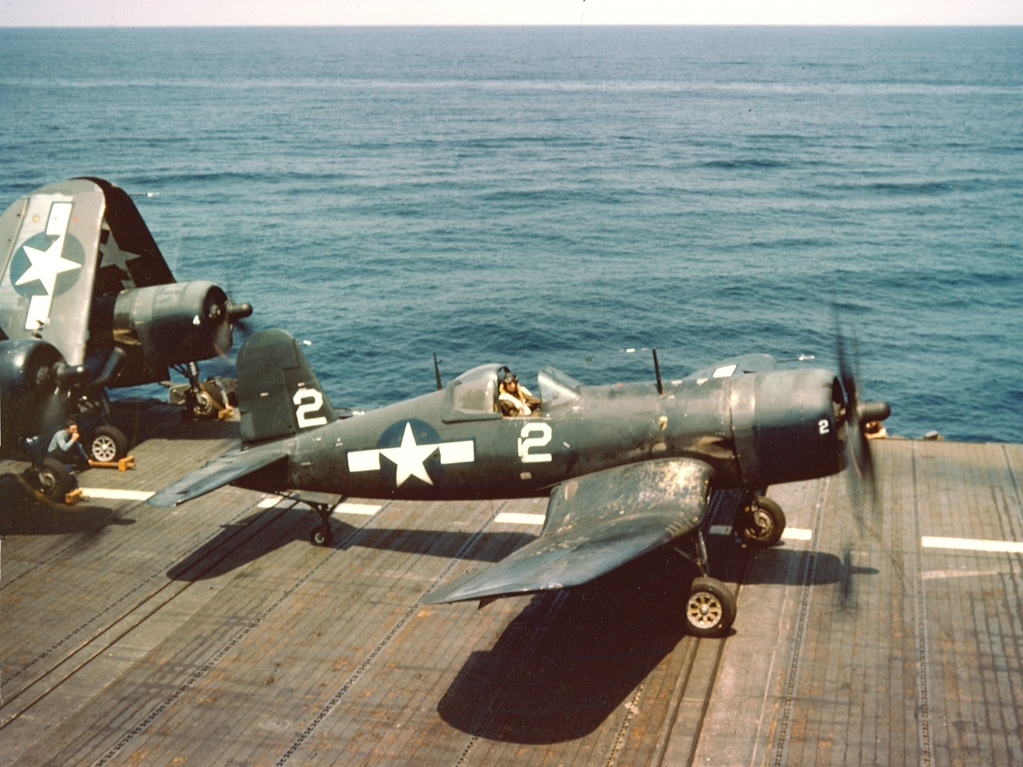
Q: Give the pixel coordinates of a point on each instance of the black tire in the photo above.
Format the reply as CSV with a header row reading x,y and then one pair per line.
x,y
108,444
203,406
710,608
321,537
763,523
54,480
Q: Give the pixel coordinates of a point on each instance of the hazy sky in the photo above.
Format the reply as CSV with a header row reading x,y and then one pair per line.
x,y
414,12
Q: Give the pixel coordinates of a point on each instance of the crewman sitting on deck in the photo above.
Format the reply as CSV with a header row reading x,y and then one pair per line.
x,y
516,400
66,448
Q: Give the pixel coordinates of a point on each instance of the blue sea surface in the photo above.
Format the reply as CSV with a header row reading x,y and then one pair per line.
x,y
558,196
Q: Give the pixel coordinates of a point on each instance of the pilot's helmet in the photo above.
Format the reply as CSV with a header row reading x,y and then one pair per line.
x,y
510,377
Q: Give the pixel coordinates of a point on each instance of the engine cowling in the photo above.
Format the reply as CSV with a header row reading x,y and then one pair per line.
x,y
174,324
785,425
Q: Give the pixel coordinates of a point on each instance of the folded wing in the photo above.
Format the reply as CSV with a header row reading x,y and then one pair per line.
x,y
596,523
222,470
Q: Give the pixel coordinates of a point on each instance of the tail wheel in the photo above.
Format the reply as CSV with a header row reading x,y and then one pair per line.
x,y
710,609
763,523
54,480
321,536
108,444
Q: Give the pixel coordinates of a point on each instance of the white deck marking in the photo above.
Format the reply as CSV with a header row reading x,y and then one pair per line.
x,y
363,509
971,544
930,575
116,495
797,534
514,518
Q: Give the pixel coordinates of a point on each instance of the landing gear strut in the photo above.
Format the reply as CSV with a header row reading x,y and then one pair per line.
x,y
710,607
198,403
322,535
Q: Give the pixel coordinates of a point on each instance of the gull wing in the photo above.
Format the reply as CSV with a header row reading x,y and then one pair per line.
x,y
222,470
596,523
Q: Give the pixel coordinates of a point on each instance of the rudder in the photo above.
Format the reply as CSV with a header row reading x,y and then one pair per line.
x,y
278,392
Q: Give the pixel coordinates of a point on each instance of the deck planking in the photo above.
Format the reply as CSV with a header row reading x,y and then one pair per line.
x,y
214,633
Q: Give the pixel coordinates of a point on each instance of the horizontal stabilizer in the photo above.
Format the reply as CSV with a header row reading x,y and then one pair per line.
x,y
222,470
595,524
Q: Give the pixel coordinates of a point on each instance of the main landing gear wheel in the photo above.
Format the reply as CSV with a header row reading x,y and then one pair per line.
x,y
54,480
108,444
762,523
322,536
710,608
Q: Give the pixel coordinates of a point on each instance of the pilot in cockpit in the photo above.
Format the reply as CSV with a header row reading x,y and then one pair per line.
x,y
516,400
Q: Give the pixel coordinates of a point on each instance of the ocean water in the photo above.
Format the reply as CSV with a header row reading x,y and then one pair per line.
x,y
557,196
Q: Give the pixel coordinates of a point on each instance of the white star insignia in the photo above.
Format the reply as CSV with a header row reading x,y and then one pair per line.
x,y
46,265
112,255
409,457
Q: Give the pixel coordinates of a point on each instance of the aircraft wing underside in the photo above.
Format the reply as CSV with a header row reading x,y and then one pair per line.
x,y
222,470
596,523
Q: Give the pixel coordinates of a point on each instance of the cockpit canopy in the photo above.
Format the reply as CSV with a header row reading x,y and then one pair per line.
x,y
473,395
557,389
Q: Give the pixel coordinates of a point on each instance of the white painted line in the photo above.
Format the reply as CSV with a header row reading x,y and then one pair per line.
x,y
363,509
512,518
971,544
797,534
116,495
931,575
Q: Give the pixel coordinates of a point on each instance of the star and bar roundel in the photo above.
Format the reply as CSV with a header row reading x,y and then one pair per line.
x,y
47,264
411,446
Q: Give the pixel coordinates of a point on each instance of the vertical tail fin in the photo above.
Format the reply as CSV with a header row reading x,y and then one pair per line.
x,y
278,392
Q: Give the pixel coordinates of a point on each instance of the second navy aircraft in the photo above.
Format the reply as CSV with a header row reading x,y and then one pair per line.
x,y
628,468
87,303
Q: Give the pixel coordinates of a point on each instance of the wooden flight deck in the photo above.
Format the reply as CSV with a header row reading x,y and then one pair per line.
x,y
214,633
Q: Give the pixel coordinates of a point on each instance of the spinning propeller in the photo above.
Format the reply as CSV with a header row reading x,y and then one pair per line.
x,y
225,315
855,415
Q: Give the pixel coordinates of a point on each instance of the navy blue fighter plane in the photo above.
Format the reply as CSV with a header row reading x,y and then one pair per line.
x,y
628,468
87,302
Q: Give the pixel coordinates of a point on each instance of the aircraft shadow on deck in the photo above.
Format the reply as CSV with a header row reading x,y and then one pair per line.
x,y
556,677
249,539
263,532
27,513
787,566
